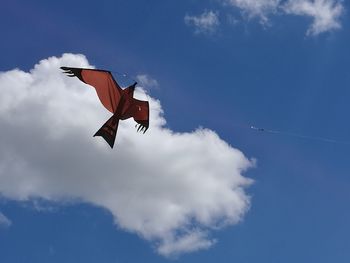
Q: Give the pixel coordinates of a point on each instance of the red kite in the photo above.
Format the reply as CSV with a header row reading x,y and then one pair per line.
x,y
118,101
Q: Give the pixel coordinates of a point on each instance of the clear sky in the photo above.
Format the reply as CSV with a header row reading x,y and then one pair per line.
x,y
216,64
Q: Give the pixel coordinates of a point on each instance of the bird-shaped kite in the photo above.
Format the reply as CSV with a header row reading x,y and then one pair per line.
x,y
118,101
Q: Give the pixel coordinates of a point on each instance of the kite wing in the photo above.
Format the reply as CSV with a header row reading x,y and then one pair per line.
x,y
108,90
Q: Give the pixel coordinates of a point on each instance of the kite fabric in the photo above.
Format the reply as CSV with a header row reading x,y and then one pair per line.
x,y
118,101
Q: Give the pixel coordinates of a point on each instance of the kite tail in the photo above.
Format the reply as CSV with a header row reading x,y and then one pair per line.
x,y
109,130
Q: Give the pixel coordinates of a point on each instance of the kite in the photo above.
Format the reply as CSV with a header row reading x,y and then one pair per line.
x,y
118,101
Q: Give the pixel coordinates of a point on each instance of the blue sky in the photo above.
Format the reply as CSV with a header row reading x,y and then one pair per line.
x,y
271,66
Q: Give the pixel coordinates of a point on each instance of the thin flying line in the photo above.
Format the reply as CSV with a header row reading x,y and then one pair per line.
x,y
301,136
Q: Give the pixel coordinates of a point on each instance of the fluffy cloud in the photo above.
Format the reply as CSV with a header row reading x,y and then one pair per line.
x,y
206,23
146,81
170,188
255,8
4,221
325,13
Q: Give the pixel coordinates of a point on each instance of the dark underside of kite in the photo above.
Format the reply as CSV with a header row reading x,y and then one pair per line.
x,y
120,102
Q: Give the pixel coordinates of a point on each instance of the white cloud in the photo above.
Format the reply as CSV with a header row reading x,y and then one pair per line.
x,y
206,23
4,221
325,13
255,8
146,81
170,188
192,241
232,20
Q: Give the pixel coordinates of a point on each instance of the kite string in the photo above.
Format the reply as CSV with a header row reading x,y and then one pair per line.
x,y
301,136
